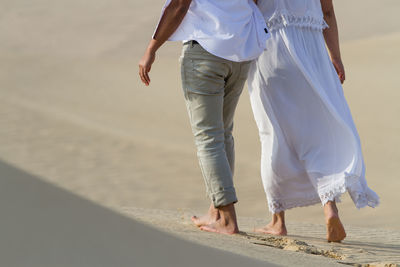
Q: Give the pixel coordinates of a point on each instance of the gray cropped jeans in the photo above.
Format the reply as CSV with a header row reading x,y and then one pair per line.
x,y
212,87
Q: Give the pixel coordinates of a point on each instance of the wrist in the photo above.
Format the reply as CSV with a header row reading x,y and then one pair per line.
x,y
152,47
336,58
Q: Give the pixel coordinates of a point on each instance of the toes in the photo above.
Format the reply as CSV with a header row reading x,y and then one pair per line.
x,y
208,229
196,221
269,231
260,230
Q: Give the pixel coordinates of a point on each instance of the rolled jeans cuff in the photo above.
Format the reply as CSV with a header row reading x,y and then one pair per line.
x,y
223,198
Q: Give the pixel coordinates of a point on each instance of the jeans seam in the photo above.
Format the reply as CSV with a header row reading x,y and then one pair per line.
x,y
206,180
186,94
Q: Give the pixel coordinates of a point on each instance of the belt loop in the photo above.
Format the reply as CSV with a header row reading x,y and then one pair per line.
x,y
191,43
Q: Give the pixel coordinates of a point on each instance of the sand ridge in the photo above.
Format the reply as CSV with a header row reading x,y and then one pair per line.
x,y
363,247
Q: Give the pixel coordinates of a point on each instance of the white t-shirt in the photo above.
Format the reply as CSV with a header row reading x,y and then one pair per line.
x,y
230,29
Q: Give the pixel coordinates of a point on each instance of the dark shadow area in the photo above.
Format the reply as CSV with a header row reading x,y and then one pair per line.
x,y
43,225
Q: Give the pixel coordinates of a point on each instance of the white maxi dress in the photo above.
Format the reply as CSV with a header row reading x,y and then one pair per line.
x,y
311,151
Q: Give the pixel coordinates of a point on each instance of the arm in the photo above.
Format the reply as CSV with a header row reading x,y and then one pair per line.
x,y
170,21
331,36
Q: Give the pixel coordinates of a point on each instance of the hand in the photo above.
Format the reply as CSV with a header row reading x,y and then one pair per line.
x,y
145,66
337,63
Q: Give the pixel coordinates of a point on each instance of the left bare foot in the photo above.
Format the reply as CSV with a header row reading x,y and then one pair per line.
x,y
211,217
272,229
226,224
220,228
277,225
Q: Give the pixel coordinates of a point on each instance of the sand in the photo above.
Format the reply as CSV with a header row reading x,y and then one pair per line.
x,y
44,225
307,245
74,114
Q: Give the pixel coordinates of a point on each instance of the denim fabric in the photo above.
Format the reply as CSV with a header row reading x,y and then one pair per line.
x,y
212,87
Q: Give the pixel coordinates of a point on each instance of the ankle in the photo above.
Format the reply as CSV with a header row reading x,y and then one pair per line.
x,y
213,212
278,219
330,210
227,215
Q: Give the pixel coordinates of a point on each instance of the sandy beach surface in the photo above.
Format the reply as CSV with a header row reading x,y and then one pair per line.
x,y
77,127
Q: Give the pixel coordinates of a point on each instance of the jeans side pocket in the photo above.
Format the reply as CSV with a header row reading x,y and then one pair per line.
x,y
204,74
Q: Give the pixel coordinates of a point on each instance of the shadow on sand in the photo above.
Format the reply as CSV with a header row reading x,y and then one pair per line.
x,y
43,225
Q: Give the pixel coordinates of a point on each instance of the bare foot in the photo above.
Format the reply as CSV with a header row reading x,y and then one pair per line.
x,y
226,224
275,227
335,230
220,228
211,217
334,227
272,229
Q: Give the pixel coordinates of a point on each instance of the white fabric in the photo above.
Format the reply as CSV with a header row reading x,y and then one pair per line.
x,y
230,29
311,151
282,13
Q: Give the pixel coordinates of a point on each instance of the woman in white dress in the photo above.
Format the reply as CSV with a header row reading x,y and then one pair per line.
x,y
311,151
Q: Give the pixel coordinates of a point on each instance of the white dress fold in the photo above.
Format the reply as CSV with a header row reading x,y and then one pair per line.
x,y
311,151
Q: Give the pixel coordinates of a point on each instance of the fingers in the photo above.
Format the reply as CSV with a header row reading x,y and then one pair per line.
x,y
144,76
141,74
340,73
145,66
342,77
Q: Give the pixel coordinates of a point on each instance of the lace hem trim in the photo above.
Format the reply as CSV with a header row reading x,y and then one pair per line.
x,y
278,206
361,195
285,19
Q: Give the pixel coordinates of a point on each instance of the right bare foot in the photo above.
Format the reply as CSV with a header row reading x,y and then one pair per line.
x,y
334,227
272,229
211,217
335,230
